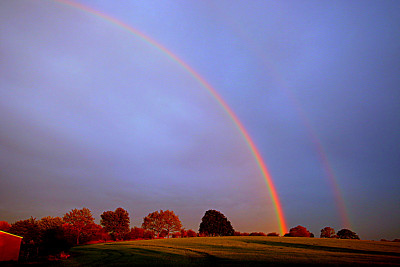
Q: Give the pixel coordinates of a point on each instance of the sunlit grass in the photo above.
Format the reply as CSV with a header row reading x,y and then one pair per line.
x,y
237,251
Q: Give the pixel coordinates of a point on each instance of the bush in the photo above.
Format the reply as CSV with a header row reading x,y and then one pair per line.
x,y
148,234
191,233
136,233
176,235
273,234
257,234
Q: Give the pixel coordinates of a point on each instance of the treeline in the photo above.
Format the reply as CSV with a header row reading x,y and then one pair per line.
x,y
327,232
54,235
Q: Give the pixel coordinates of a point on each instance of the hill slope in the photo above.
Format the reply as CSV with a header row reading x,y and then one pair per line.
x,y
243,251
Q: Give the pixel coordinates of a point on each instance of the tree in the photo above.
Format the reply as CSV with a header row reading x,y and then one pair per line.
x,y
4,226
183,233
347,234
191,233
273,234
136,233
257,234
47,223
327,232
176,235
53,240
163,220
299,231
28,229
79,221
116,222
214,223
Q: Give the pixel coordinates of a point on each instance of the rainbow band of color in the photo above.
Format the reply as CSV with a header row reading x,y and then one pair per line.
x,y
213,92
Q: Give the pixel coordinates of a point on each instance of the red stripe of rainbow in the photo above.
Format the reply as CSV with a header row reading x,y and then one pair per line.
x,y
212,91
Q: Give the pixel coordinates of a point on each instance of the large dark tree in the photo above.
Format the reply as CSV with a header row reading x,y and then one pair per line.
x,y
80,222
116,222
162,222
347,234
214,223
52,235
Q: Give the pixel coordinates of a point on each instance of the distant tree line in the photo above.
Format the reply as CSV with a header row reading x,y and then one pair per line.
x,y
54,235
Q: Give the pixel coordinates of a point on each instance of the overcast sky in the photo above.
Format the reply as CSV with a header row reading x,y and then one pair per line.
x,y
94,116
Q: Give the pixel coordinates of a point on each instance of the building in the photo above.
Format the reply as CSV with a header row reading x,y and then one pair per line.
x,y
9,246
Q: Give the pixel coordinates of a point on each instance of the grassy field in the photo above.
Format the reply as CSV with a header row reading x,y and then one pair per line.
x,y
239,251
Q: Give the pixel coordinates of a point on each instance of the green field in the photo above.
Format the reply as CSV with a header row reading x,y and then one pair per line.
x,y
239,251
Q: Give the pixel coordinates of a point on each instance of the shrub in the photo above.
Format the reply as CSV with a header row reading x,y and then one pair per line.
x,y
176,234
273,234
257,234
191,233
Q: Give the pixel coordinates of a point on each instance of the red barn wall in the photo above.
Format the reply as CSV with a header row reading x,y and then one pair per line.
x,y
9,246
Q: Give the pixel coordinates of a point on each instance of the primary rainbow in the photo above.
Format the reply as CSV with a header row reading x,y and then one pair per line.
x,y
212,91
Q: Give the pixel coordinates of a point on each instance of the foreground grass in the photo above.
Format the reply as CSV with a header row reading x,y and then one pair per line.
x,y
240,251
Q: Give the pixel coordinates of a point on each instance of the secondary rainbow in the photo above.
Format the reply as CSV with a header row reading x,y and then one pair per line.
x,y
254,150
318,147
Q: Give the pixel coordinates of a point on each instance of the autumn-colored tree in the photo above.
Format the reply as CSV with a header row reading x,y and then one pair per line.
x,y
214,223
49,222
191,233
176,235
136,233
164,233
4,226
80,221
116,222
327,232
28,229
53,240
90,232
237,233
183,233
299,231
149,234
347,234
102,235
162,220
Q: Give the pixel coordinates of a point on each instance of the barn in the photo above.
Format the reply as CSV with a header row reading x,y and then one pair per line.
x,y
9,246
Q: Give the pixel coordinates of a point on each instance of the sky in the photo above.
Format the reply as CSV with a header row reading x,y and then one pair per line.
x,y
93,115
